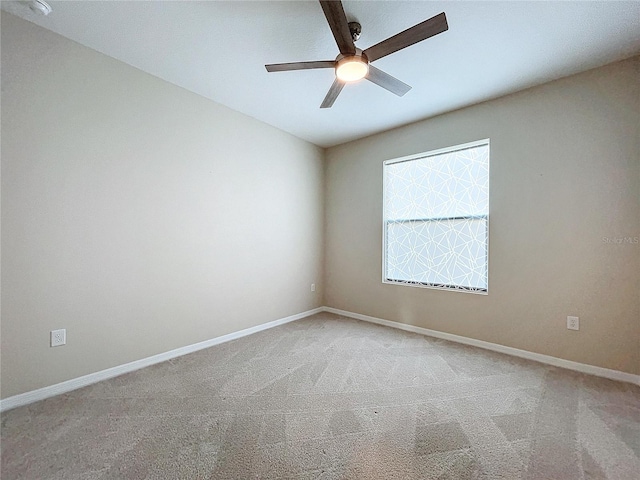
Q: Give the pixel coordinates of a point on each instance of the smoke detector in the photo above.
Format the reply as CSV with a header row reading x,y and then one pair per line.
x,y
40,7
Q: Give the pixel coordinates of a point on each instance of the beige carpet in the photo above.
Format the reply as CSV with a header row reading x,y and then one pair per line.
x,y
328,397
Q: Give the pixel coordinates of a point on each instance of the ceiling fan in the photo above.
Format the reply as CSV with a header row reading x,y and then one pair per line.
x,y
353,64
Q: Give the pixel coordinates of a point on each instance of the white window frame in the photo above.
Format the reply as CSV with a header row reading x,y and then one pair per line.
x,y
431,153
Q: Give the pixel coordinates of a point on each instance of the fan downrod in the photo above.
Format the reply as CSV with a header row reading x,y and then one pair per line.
x,y
355,29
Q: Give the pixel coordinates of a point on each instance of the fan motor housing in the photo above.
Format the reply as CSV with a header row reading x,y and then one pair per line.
x,y
359,54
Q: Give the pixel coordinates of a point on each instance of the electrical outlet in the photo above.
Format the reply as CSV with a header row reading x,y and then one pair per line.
x,y
313,287
58,337
573,323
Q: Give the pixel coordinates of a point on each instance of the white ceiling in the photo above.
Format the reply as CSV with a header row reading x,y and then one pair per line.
x,y
218,50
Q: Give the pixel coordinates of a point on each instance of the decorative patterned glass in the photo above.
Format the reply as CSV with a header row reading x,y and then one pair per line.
x,y
436,219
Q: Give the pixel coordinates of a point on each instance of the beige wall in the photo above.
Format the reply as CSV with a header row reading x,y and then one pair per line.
x,y
565,172
139,216
142,217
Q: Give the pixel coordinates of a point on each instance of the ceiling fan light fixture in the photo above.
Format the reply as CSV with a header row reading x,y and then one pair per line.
x,y
352,64
352,69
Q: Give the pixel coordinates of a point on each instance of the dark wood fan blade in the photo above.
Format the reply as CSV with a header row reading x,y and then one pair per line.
x,y
332,94
284,67
386,81
415,34
339,26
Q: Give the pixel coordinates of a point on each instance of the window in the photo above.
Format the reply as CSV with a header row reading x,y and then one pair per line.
x,y
436,219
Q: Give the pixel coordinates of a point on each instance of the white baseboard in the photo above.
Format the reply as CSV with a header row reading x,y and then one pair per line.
x,y
538,357
75,383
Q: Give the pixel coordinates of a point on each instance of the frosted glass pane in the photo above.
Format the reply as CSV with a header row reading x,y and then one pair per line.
x,y
445,252
443,185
